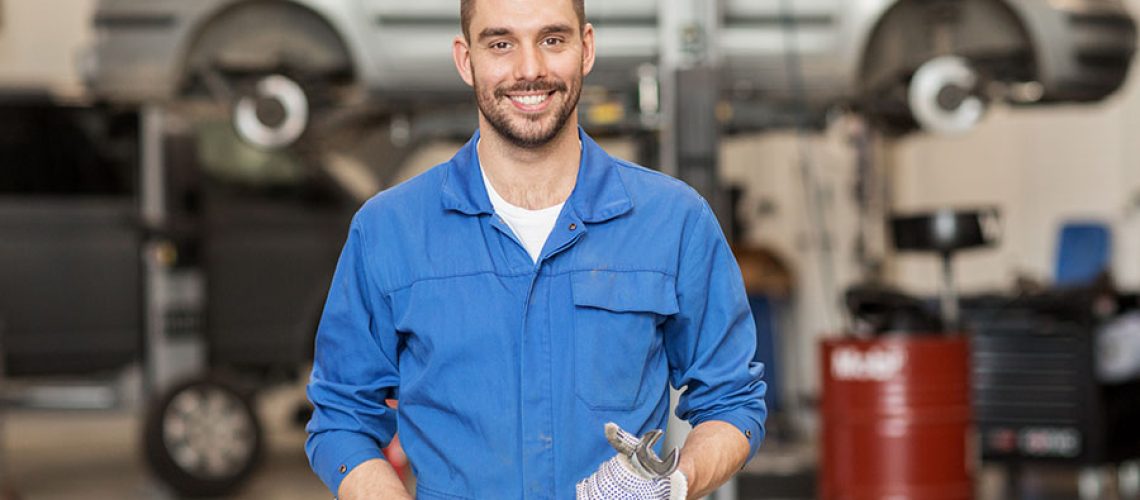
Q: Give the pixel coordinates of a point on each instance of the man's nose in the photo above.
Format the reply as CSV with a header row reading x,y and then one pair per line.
x,y
532,64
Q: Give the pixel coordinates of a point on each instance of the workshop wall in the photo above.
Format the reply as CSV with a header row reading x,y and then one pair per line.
x,y
38,42
1041,167
781,173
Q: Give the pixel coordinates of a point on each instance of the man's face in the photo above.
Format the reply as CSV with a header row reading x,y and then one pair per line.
x,y
526,60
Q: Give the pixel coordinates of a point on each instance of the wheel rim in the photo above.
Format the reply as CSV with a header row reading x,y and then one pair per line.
x,y
208,432
941,96
285,93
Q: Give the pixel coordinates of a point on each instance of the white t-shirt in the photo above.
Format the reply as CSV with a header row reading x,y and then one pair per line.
x,y
532,227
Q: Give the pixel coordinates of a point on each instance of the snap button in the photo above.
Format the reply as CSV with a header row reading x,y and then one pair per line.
x,y
573,226
343,468
748,434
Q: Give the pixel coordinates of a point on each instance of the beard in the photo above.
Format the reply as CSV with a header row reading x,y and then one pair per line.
x,y
529,131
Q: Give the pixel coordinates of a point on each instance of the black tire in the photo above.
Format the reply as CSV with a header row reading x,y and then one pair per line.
x,y
202,438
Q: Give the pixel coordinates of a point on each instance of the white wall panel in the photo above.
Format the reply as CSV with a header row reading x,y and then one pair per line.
x,y
40,43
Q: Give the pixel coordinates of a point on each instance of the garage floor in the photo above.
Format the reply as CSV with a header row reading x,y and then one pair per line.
x,y
93,455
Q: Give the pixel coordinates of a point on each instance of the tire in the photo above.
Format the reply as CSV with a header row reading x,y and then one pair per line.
x,y
202,438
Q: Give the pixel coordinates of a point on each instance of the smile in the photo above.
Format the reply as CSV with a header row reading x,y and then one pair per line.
x,y
530,100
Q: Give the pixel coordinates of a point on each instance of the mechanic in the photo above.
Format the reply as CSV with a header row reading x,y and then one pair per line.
x,y
523,296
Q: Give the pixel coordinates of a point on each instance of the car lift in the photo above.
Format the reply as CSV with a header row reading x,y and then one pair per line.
x,y
164,359
689,130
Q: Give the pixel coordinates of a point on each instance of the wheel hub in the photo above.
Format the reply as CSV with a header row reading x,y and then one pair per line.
x,y
271,112
208,432
275,115
941,96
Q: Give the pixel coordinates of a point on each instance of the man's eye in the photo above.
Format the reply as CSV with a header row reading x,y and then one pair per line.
x,y
552,41
500,45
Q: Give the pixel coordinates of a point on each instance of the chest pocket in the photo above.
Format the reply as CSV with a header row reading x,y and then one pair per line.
x,y
618,354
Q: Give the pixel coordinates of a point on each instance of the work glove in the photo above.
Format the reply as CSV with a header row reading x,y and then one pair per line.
x,y
624,478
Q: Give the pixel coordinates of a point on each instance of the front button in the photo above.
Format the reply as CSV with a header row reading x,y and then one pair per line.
x,y
748,434
343,469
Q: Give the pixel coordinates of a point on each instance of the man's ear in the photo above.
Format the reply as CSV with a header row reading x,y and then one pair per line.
x,y
587,48
461,52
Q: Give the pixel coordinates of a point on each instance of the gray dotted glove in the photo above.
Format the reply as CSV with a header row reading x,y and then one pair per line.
x,y
624,478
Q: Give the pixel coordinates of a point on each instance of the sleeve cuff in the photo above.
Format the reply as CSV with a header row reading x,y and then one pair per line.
x,y
338,452
751,429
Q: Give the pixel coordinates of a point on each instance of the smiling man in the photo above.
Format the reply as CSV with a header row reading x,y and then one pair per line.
x,y
530,302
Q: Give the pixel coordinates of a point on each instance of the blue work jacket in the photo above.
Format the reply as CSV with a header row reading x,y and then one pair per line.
x,y
505,369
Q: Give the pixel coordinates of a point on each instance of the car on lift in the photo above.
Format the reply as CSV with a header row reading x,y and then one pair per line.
x,y
935,64
246,250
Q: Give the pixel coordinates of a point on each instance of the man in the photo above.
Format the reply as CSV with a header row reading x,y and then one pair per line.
x,y
521,296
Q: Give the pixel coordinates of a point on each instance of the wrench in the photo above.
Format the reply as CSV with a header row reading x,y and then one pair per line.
x,y
644,457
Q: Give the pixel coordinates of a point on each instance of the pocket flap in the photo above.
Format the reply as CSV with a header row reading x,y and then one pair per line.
x,y
625,291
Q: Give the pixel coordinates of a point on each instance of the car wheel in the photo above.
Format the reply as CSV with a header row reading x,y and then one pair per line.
x,y
274,65
202,438
943,98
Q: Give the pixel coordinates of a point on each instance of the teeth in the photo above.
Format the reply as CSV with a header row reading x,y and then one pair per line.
x,y
529,100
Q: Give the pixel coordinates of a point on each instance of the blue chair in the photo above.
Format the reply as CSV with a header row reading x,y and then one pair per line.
x,y
1083,253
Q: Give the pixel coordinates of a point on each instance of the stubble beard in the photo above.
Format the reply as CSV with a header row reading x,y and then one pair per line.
x,y
530,131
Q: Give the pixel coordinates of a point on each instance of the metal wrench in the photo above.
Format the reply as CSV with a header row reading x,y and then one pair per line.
x,y
644,457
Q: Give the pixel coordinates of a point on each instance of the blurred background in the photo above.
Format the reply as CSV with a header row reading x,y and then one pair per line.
x,y
935,205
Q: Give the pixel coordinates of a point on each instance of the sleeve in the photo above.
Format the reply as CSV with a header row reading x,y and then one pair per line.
x,y
354,370
710,342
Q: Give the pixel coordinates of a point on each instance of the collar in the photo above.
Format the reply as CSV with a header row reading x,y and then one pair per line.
x,y
599,193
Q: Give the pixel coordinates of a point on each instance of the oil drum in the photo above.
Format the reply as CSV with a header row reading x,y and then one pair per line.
x,y
896,419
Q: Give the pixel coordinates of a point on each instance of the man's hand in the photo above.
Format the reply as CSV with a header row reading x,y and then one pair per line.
x,y
623,478
372,479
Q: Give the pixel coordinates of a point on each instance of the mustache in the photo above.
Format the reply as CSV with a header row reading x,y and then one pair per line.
x,y
536,86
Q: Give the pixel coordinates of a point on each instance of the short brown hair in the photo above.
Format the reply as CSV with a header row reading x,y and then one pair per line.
x,y
467,11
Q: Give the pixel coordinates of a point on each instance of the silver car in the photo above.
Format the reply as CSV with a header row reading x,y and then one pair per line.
x,y
905,63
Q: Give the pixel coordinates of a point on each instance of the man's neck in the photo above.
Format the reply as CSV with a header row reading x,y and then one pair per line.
x,y
531,178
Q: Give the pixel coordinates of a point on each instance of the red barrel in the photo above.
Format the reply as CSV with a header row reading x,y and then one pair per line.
x,y
896,419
